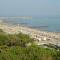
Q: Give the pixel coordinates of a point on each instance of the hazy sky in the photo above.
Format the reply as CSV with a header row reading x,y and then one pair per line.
x,y
29,7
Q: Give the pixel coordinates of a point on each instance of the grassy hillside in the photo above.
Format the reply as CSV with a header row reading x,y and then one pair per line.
x,y
14,47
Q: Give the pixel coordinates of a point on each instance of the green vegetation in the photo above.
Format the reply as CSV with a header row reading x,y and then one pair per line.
x,y
14,47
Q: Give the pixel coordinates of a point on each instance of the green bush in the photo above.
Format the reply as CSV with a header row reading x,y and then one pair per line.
x,y
13,47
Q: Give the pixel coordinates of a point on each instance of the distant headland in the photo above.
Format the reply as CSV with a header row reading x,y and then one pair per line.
x,y
23,17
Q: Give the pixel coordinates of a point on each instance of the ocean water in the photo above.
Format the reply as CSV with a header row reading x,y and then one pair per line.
x,y
51,24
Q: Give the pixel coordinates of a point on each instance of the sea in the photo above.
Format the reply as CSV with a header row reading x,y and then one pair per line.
x,y
51,24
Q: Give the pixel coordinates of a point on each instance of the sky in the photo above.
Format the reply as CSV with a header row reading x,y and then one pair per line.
x,y
29,7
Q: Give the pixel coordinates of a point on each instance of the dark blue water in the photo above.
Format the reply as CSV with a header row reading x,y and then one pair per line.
x,y
45,23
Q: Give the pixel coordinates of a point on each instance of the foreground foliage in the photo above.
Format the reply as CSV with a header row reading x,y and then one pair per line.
x,y
13,47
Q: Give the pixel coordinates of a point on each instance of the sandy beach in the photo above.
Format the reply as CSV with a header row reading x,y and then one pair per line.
x,y
43,37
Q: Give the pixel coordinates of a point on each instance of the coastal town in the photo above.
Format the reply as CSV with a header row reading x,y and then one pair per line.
x,y
42,37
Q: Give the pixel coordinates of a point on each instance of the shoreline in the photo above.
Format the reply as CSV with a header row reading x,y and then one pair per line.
x,y
40,36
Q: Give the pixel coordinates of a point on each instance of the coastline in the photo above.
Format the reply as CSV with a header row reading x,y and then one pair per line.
x,y
43,37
